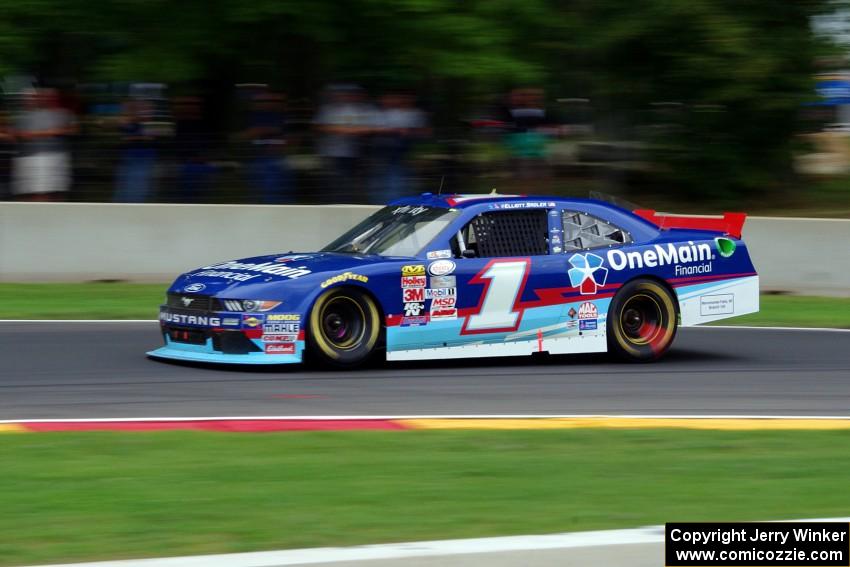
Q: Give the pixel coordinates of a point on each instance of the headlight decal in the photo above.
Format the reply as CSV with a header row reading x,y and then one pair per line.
x,y
259,305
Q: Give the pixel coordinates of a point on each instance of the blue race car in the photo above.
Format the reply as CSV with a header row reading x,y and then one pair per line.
x,y
438,277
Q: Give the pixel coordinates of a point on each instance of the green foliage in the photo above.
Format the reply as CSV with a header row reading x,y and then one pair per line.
x,y
750,62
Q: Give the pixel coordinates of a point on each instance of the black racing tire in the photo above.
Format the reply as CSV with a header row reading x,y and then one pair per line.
x,y
642,321
344,328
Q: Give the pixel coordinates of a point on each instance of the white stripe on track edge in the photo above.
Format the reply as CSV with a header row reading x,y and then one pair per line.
x,y
652,534
418,416
755,327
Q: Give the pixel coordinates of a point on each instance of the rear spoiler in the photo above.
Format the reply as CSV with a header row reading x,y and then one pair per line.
x,y
730,223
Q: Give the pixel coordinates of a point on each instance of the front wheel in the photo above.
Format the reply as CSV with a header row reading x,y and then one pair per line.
x,y
344,328
642,321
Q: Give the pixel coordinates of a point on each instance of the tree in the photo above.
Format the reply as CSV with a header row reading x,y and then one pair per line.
x,y
739,68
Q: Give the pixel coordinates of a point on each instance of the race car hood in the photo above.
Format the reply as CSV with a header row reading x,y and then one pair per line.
x,y
224,278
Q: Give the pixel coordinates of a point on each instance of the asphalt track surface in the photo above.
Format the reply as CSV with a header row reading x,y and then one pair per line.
x,y
99,370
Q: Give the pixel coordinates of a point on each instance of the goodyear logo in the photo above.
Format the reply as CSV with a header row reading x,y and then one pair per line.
x,y
413,270
343,278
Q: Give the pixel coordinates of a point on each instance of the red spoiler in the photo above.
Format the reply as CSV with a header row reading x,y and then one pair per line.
x,y
730,223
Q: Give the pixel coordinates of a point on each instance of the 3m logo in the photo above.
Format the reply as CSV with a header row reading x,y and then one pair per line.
x,y
415,294
587,273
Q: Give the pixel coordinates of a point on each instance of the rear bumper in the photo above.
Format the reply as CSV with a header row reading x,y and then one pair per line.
x,y
721,299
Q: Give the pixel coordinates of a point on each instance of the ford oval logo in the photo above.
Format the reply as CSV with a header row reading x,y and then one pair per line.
x,y
441,268
195,287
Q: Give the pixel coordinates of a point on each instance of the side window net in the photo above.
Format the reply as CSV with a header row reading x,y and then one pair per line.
x,y
582,231
514,233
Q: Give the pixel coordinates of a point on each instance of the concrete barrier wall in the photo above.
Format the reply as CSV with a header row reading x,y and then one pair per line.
x,y
803,256
83,242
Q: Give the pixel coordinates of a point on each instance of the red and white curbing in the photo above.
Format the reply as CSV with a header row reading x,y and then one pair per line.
x,y
273,424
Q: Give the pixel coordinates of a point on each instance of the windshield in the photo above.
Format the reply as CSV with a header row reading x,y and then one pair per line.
x,y
394,231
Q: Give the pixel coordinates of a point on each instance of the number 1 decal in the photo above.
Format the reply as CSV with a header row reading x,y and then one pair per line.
x,y
498,311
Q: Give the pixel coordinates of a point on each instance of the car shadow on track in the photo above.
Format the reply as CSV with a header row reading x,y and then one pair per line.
x,y
382,369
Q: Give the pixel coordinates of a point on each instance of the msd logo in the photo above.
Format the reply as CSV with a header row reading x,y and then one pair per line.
x,y
587,273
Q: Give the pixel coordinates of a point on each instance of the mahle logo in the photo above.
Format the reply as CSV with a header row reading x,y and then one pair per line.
x,y
587,273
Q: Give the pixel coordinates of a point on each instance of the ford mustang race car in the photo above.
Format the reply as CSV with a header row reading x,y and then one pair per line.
x,y
438,277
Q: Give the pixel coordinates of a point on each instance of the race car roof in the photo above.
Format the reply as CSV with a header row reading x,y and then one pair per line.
x,y
462,201
646,222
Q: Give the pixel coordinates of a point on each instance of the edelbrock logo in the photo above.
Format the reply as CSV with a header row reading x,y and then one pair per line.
x,y
658,255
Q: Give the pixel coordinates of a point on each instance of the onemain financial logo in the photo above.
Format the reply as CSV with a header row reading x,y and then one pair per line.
x,y
690,253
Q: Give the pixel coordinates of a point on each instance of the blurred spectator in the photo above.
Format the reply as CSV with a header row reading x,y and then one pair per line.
x,y
138,156
265,132
397,125
343,121
7,150
527,140
42,169
192,139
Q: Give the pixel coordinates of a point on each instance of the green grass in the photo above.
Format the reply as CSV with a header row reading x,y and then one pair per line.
x,y
87,496
797,311
141,301
80,300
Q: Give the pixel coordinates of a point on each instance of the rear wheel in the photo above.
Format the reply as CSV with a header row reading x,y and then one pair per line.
x,y
344,328
642,321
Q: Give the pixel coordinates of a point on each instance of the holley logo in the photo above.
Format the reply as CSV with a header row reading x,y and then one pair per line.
x,y
587,273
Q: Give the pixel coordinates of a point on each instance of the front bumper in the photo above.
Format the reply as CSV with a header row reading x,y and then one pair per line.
x,y
247,339
173,352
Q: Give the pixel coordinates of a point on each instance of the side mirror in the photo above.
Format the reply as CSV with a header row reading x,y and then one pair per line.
x,y
468,253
